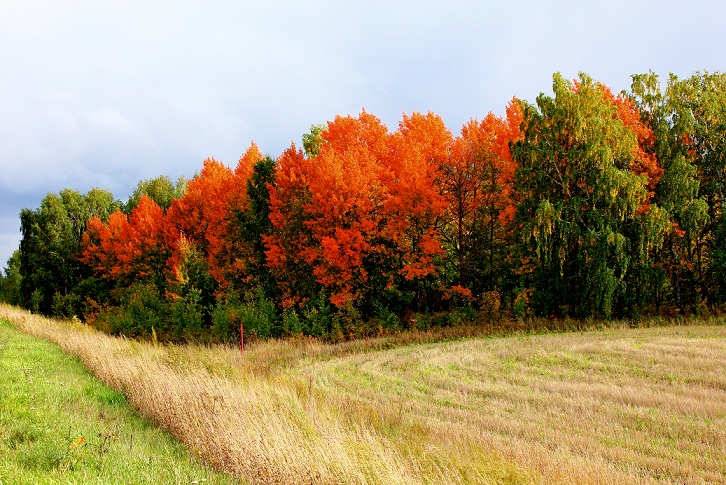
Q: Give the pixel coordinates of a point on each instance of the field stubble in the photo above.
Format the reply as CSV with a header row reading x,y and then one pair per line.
x,y
611,406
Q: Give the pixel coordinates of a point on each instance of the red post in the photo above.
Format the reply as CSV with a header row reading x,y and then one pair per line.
x,y
242,338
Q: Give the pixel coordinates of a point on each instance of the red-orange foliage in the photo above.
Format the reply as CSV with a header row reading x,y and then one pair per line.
x,y
373,194
486,151
202,207
478,183
202,215
510,133
346,200
148,241
127,246
287,249
228,252
326,211
415,204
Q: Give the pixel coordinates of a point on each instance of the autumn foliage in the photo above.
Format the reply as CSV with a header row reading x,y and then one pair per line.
x,y
585,203
127,247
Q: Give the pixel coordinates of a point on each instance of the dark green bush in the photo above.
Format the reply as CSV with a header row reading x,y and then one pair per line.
x,y
141,312
185,316
258,315
291,324
66,306
317,316
226,320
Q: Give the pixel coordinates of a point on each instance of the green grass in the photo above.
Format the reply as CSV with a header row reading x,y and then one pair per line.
x,y
60,425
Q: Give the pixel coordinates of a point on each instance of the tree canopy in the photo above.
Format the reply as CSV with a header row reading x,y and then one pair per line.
x,y
585,203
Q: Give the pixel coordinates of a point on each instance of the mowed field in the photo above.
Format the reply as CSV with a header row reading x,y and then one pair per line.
x,y
617,405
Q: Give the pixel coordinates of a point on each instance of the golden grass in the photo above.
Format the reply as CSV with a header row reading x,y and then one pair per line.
x,y
611,406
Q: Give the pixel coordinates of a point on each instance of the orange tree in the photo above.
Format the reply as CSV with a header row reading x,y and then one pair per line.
x,y
327,213
477,179
128,248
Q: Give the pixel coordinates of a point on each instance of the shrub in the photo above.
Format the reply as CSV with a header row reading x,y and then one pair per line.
x,y
258,315
348,324
36,300
490,307
185,316
317,316
66,306
291,324
226,319
141,312
384,320
521,307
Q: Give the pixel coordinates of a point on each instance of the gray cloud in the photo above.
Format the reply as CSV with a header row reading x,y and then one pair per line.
x,y
106,94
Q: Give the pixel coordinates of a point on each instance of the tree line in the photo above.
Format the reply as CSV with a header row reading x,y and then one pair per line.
x,y
584,204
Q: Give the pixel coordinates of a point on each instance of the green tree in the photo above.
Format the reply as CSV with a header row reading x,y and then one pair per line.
x,y
47,254
190,290
246,226
255,223
684,120
51,246
698,113
313,140
160,189
10,282
579,199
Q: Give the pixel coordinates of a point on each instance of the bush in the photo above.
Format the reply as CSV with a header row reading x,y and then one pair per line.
x,y
384,320
317,316
490,308
141,312
348,324
226,318
36,301
291,324
66,306
521,306
258,315
185,316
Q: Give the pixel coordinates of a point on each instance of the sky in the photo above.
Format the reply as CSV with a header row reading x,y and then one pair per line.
x,y
106,94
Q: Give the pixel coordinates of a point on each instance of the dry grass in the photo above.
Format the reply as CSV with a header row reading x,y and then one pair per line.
x,y
612,406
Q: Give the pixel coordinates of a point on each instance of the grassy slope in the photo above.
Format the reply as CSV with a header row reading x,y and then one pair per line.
x,y
611,406
60,425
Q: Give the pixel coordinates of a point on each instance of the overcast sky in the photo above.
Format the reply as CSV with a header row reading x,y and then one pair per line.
x,y
105,94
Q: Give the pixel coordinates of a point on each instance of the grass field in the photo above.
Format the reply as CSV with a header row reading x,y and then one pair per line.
x,y
613,406
60,425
